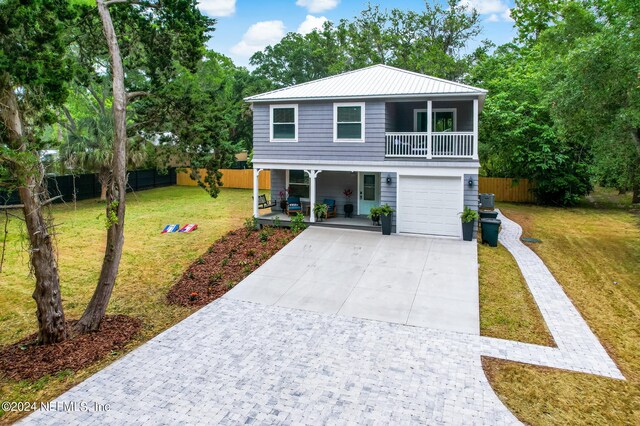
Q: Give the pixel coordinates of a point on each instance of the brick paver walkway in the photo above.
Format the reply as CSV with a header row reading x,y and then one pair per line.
x,y
240,362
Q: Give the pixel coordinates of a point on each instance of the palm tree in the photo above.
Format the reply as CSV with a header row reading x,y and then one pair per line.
x,y
88,146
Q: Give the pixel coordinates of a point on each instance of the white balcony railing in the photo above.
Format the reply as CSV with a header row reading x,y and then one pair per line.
x,y
443,145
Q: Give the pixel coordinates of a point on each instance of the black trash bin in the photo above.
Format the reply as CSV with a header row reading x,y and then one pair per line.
x,y
487,201
488,214
490,229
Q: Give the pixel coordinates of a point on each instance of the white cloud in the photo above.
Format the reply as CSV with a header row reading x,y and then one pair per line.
x,y
218,7
317,6
506,15
496,9
311,23
259,36
485,6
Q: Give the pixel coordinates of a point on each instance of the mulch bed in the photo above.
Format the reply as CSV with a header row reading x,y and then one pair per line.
x,y
227,262
25,360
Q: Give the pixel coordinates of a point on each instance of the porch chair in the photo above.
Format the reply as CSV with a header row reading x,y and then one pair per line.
x,y
331,207
263,203
293,205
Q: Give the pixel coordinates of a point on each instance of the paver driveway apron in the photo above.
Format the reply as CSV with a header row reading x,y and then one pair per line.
x,y
237,361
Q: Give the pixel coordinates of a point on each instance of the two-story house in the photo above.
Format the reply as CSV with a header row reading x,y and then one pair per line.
x,y
390,135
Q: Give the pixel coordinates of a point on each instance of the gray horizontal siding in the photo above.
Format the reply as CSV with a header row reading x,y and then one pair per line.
x,y
315,135
471,195
278,183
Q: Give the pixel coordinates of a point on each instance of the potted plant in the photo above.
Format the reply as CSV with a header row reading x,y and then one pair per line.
x,y
283,200
386,213
348,207
468,217
320,210
374,215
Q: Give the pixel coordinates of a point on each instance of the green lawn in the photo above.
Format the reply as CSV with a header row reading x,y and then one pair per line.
x,y
594,253
150,264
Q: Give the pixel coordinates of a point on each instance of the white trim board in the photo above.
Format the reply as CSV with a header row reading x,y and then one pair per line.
x,y
409,170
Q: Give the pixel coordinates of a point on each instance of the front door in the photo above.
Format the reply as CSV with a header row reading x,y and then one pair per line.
x,y
369,196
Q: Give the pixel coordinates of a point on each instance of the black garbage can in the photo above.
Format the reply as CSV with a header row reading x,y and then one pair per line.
x,y
488,214
490,229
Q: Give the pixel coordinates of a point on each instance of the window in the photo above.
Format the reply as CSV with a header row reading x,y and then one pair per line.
x,y
284,123
369,187
443,120
298,184
348,122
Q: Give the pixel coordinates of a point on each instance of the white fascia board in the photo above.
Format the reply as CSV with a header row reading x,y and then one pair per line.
x,y
349,98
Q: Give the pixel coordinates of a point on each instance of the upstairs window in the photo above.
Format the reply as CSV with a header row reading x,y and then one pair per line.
x,y
284,123
348,125
443,120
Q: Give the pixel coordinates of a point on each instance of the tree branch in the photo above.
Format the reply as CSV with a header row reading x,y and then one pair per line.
x,y
133,95
72,122
139,3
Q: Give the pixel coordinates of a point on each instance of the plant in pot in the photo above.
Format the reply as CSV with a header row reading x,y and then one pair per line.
x,y
348,207
468,217
320,210
374,215
386,213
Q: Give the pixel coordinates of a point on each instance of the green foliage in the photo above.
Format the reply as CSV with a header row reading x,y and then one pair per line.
x,y
430,41
264,235
112,214
517,133
469,215
320,210
276,222
250,224
385,210
297,223
374,213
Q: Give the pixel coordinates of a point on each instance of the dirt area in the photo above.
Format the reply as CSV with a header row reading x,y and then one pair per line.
x,y
226,263
26,360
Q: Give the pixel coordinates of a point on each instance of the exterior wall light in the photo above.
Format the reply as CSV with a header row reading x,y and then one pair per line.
x,y
470,182
388,179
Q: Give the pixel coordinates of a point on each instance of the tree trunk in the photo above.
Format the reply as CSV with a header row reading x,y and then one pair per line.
x,y
116,188
49,312
103,178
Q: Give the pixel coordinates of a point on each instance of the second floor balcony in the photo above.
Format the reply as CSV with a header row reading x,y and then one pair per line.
x,y
432,130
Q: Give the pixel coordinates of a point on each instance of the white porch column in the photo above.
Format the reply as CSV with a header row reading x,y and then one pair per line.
x,y
475,129
256,172
429,127
312,192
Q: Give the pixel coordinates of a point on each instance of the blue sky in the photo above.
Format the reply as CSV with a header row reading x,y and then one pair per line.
x,y
246,26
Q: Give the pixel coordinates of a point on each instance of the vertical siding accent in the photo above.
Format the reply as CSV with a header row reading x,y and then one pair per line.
x,y
388,194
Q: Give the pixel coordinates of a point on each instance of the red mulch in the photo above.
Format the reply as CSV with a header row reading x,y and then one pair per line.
x,y
227,262
25,360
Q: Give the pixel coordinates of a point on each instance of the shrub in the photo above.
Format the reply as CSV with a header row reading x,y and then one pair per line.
x,y
468,215
250,224
297,223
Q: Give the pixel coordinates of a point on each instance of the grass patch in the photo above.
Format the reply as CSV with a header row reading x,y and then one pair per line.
x,y
507,308
595,255
151,263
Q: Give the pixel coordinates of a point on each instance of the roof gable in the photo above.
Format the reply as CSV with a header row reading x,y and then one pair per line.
x,y
377,81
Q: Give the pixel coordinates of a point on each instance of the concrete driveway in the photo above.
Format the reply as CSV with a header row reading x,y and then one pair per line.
x,y
413,280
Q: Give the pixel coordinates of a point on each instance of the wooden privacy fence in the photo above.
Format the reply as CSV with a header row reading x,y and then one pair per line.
x,y
231,178
507,189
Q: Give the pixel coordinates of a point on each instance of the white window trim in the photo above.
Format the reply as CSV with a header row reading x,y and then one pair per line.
x,y
433,111
335,121
295,122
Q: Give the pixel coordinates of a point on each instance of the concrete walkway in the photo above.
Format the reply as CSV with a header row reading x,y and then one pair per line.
x,y
241,362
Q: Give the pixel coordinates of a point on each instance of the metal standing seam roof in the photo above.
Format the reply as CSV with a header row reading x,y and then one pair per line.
x,y
371,82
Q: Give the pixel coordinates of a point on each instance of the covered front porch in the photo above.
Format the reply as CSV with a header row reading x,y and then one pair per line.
x,y
355,222
353,193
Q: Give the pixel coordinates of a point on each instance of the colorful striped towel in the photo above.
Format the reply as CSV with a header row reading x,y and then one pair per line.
x,y
170,228
189,227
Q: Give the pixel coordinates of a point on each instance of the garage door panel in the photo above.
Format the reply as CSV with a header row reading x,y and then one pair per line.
x,y
429,205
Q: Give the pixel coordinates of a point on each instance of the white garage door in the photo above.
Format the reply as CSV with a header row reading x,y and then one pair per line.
x,y
430,205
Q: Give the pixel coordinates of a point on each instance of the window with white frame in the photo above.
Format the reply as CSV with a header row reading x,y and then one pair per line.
x,y
284,123
348,122
298,183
